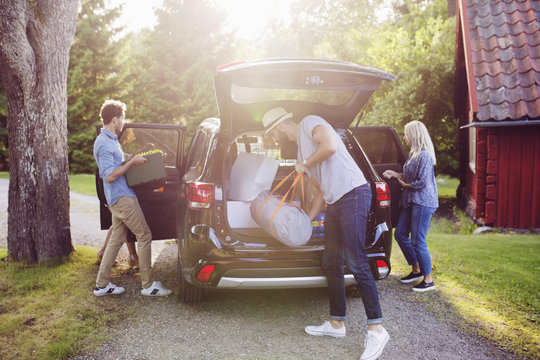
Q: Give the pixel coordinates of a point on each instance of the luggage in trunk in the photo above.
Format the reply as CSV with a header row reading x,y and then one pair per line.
x,y
289,224
251,174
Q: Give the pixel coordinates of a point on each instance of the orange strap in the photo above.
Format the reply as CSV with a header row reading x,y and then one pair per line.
x,y
299,177
272,192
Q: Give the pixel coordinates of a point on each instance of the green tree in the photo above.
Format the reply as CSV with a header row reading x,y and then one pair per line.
x,y
95,64
419,49
415,42
170,79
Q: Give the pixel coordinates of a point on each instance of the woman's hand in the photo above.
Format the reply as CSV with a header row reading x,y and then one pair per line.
x,y
389,174
403,184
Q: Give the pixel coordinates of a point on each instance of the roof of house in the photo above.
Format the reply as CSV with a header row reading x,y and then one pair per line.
x,y
502,47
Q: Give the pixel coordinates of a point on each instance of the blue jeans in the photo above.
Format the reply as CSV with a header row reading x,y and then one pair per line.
x,y
414,221
345,236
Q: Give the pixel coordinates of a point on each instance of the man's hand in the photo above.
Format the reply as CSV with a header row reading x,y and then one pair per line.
x,y
138,160
300,168
119,171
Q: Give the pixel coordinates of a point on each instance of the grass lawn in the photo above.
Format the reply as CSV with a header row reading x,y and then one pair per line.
x,y
492,282
81,183
447,186
47,311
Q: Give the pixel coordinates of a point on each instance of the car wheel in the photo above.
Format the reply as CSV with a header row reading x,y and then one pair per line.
x,y
188,293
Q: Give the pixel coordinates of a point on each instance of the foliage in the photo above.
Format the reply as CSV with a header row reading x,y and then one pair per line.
x,y
466,224
424,64
416,43
482,278
170,76
95,63
165,74
46,310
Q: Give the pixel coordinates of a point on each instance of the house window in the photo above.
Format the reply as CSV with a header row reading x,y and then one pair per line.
x,y
472,149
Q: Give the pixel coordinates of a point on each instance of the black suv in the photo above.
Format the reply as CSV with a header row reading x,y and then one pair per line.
x,y
220,246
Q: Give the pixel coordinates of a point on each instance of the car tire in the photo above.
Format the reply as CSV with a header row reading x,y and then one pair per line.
x,y
188,293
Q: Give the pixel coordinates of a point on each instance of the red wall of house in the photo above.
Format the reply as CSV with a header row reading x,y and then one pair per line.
x,y
508,177
517,184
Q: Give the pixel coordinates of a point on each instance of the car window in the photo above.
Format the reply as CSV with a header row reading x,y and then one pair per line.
x,y
140,140
257,143
196,150
379,147
252,95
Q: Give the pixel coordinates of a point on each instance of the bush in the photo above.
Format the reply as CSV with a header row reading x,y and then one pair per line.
x,y
80,152
466,224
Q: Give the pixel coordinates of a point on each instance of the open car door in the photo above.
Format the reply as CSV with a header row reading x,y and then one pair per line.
x,y
385,152
158,201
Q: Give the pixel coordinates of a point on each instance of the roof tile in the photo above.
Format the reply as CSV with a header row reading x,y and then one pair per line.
x,y
511,18
507,54
509,81
505,41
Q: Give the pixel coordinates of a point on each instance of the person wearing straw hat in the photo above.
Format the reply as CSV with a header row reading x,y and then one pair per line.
x,y
347,195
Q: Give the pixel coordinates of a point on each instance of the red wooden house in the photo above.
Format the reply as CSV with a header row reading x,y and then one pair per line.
x,y
497,99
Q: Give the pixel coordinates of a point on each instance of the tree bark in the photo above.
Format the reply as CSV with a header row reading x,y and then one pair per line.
x,y
35,39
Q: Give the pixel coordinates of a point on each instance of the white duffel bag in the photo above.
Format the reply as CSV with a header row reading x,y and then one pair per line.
x,y
285,221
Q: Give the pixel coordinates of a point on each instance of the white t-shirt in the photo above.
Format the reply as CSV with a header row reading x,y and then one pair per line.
x,y
336,175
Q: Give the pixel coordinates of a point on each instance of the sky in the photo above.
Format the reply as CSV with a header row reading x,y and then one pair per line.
x,y
248,16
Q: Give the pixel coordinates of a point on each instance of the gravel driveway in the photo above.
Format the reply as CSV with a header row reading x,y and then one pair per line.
x,y
262,324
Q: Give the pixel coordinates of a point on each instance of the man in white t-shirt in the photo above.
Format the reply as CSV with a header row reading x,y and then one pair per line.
x,y
347,194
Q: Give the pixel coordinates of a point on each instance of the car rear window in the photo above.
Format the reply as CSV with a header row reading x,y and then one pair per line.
x,y
251,95
263,145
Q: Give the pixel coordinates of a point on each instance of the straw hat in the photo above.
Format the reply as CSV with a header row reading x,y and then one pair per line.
x,y
274,117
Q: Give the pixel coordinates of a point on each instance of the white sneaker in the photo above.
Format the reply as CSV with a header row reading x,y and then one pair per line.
x,y
110,289
156,289
326,329
374,344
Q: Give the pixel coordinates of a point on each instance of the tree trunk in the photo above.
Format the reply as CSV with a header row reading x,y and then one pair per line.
x,y
35,39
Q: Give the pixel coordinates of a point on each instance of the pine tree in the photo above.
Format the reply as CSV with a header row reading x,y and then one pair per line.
x,y
175,64
95,64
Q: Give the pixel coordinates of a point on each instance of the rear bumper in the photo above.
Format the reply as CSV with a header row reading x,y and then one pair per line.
x,y
266,275
277,282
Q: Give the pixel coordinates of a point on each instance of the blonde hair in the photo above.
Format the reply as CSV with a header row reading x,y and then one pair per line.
x,y
418,136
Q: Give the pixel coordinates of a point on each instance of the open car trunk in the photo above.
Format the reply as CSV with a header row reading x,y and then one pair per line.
x,y
242,184
254,164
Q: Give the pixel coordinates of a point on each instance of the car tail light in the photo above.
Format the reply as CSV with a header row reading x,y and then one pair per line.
x,y
383,268
205,273
383,194
200,195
